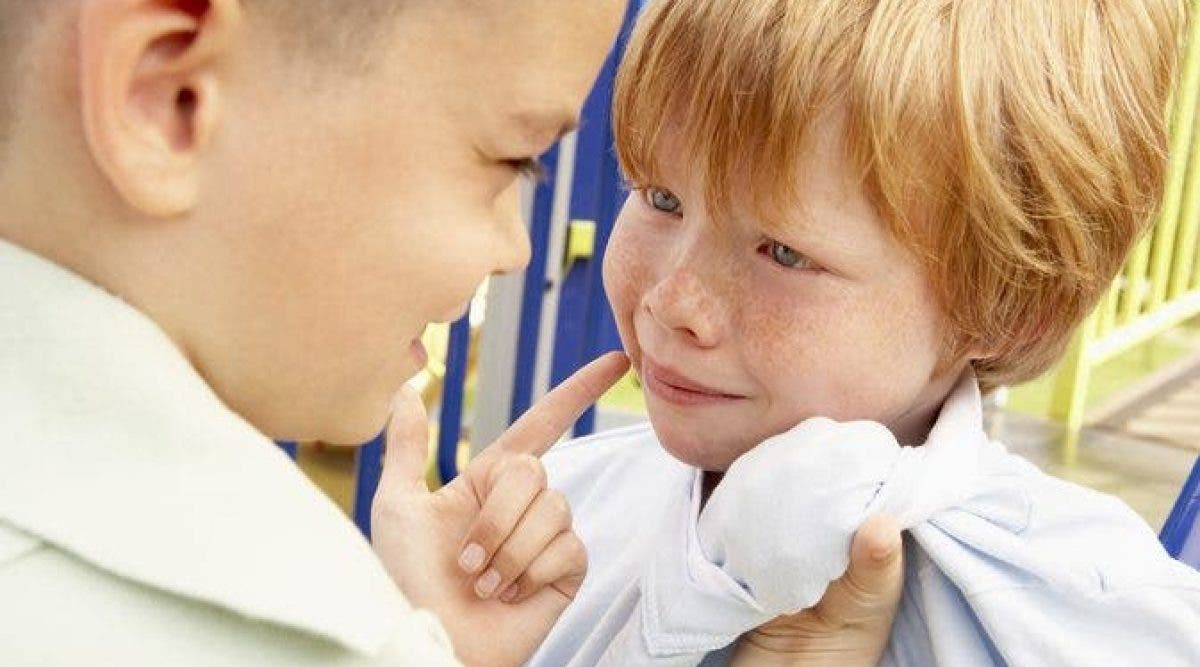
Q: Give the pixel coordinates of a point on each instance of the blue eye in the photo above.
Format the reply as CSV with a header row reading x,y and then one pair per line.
x,y
785,256
663,200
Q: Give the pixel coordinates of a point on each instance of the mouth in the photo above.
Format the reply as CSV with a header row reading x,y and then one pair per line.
x,y
675,388
417,351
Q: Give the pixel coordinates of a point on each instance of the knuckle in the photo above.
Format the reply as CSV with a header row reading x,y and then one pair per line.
x,y
559,508
532,469
570,586
517,588
575,553
535,578
507,565
520,471
486,532
529,580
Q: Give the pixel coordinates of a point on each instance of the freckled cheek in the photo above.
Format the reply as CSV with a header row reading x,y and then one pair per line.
x,y
804,351
777,334
627,277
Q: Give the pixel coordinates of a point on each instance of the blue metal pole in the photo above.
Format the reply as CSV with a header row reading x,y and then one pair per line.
x,y
368,469
450,419
1181,532
534,291
596,195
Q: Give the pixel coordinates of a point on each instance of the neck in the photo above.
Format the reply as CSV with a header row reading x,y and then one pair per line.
x,y
911,428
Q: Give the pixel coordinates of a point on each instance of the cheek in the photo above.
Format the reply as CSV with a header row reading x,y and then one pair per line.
x,y
446,233
410,271
835,352
628,271
793,338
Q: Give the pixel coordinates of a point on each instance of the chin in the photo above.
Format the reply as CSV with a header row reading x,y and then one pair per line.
x,y
347,425
693,449
363,413
354,434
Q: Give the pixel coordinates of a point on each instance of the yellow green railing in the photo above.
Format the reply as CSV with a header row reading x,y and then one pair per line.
x,y
1159,287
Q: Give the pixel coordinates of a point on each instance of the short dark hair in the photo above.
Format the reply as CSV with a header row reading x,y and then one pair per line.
x,y
332,30
16,19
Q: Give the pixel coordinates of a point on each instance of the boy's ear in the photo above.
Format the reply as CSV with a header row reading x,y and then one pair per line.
x,y
150,94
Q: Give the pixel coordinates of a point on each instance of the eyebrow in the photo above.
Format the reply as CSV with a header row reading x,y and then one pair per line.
x,y
536,126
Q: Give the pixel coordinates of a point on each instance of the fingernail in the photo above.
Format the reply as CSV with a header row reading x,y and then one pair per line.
x,y
472,557
509,594
486,585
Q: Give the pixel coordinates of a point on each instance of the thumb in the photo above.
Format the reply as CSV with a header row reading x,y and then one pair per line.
x,y
407,441
870,590
877,557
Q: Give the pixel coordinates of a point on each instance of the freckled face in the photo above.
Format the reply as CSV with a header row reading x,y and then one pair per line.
x,y
740,333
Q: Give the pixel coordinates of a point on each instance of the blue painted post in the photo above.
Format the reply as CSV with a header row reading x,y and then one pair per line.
x,y
450,419
368,469
1181,532
584,315
601,331
534,292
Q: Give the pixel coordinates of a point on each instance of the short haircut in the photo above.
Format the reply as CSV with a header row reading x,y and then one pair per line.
x,y
327,31
17,17
1018,147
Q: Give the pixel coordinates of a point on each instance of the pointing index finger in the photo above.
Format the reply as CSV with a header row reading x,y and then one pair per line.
x,y
541,426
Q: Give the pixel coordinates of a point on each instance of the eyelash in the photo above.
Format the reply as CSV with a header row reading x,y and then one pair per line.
x,y
528,167
803,263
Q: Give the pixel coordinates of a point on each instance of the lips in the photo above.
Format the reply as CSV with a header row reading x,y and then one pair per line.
x,y
674,387
417,349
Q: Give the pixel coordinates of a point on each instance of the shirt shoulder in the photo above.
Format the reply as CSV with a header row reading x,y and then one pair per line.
x,y
617,438
616,482
15,544
574,462
1024,529
59,610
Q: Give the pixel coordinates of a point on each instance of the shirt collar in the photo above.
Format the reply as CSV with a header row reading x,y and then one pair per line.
x,y
958,466
117,451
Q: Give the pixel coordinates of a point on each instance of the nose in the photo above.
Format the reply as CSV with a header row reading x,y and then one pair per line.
x,y
682,303
512,251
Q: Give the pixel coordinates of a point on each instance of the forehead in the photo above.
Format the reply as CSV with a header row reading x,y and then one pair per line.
x,y
524,66
534,44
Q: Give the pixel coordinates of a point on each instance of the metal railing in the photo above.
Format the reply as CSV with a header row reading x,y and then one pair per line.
x,y
1159,287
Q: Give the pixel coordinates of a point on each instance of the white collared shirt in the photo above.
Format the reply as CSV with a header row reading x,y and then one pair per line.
x,y
142,522
1004,565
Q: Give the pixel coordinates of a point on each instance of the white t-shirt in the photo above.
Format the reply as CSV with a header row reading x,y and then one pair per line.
x,y
1005,565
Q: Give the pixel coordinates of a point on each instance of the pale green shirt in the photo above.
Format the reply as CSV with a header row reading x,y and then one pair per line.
x,y
142,522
